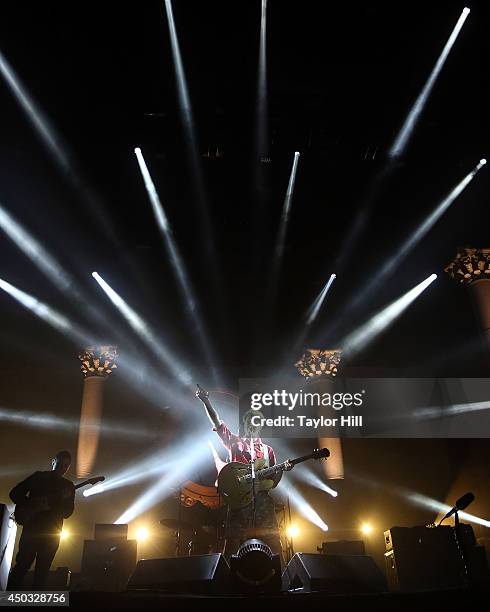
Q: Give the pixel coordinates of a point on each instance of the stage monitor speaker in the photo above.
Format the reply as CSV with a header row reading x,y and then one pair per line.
x,y
343,547
107,566
110,532
8,531
195,574
336,574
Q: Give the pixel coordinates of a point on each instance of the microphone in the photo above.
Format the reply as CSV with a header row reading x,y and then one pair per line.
x,y
463,502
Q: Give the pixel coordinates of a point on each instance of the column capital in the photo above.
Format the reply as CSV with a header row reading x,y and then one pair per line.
x,y
470,265
319,362
98,361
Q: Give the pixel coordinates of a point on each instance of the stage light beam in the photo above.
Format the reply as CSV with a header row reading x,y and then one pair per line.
x,y
187,292
394,261
49,315
262,95
190,139
305,509
286,210
34,250
376,325
46,420
57,149
191,455
408,126
93,490
442,509
144,331
319,300
308,476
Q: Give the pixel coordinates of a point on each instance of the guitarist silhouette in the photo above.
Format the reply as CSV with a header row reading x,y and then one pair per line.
x,y
255,519
51,499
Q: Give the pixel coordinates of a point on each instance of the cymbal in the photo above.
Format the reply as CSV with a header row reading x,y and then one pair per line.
x,y
177,525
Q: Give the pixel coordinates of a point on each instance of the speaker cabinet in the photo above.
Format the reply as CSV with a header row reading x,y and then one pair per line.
x,y
107,566
343,547
110,532
421,558
194,574
333,574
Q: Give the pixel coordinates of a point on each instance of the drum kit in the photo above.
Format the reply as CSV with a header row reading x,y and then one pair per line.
x,y
191,539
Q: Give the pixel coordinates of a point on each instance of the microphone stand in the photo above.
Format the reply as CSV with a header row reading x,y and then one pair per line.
x,y
462,552
252,467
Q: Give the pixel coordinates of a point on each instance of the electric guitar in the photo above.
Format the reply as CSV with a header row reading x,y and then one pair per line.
x,y
27,510
235,479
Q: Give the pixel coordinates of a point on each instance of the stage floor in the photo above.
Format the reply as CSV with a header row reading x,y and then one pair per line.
x,y
401,602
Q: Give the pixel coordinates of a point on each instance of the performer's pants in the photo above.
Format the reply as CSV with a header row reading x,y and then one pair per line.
x,y
33,546
240,525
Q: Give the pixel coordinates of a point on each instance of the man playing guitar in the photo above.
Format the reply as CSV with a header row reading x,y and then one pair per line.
x,y
254,520
51,499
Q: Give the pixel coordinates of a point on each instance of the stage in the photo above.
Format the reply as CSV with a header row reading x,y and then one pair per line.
x,y
149,600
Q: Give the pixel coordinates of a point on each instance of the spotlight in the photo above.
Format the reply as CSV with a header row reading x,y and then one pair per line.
x,y
366,529
142,534
292,531
65,534
255,568
483,161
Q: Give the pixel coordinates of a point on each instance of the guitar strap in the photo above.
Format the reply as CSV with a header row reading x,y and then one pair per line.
x,y
265,453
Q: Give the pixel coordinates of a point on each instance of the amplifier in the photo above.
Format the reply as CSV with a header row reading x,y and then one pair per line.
x,y
342,547
111,532
422,558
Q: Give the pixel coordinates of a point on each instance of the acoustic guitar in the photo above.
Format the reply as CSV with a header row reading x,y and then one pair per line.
x,y
235,479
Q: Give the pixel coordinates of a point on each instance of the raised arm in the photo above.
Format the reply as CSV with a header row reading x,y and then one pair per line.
x,y
213,416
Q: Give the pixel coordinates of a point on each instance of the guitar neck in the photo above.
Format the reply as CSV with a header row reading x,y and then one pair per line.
x,y
91,481
280,467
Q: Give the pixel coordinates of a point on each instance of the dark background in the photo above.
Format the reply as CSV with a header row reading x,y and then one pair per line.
x,y
341,78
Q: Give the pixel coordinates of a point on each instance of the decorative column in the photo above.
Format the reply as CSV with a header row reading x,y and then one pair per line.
x,y
97,364
471,267
322,364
